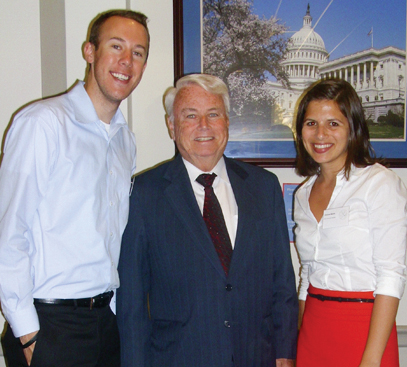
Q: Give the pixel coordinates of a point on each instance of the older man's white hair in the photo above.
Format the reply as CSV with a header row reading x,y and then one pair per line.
x,y
210,83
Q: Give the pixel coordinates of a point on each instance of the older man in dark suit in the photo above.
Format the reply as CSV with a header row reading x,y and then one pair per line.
x,y
205,269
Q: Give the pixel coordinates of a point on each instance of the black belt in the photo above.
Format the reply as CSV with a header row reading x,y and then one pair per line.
x,y
102,300
340,299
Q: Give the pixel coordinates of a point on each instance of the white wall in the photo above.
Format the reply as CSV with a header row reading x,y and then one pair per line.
x,y
153,142
20,64
20,75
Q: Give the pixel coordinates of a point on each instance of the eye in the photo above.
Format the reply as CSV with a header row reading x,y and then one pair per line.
x,y
116,47
191,116
334,124
309,123
138,54
213,114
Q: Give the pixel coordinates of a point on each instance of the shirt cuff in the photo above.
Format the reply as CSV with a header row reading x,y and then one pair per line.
x,y
302,296
389,286
24,322
303,289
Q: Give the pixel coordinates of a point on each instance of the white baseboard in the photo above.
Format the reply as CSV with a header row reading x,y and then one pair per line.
x,y
402,336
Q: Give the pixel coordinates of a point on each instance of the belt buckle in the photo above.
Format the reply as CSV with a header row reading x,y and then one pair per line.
x,y
92,301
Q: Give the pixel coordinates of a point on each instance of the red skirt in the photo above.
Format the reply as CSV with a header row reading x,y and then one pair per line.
x,y
334,333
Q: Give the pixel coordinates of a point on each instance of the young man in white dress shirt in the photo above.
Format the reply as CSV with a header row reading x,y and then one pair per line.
x,y
64,183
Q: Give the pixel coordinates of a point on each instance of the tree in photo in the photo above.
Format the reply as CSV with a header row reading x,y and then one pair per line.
x,y
245,51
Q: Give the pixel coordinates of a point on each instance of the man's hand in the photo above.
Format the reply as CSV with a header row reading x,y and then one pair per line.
x,y
28,352
283,362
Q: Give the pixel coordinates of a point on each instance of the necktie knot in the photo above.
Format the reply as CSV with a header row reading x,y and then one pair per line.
x,y
206,179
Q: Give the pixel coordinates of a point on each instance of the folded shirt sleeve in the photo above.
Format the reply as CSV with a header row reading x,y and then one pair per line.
x,y
388,229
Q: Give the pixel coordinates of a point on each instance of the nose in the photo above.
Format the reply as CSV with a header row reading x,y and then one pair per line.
x,y
321,131
126,58
203,123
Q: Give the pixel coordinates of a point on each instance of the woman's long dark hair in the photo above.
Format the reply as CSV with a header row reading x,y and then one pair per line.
x,y
359,151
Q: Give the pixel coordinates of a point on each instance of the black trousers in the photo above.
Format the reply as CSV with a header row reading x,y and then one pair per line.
x,y
69,337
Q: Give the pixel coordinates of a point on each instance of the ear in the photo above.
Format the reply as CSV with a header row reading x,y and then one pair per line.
x,y
89,52
170,126
144,67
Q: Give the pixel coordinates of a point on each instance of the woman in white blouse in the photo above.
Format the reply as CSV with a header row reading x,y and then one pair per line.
x,y
350,231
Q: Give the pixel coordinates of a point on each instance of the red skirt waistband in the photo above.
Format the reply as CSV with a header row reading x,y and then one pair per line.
x,y
342,294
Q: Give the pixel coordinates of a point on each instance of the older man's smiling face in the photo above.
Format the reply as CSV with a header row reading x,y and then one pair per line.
x,y
200,127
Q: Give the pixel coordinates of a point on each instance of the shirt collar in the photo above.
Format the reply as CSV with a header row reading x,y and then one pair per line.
x,y
219,170
83,107
340,177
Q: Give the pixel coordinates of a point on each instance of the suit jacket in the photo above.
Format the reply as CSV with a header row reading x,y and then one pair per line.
x,y
175,306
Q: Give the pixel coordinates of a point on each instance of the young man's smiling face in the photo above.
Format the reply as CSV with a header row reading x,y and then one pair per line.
x,y
118,63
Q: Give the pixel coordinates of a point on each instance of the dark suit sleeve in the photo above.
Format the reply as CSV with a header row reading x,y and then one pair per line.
x,y
285,304
132,296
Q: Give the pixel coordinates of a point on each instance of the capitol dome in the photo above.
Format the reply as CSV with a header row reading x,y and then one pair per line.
x,y
306,37
305,53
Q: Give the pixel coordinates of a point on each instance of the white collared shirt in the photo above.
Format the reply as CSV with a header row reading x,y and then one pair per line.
x,y
64,203
360,242
223,191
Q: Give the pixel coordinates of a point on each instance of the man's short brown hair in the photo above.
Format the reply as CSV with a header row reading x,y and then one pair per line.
x,y
103,17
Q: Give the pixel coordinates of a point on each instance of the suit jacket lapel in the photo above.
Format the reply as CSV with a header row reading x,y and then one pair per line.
x,y
180,195
247,211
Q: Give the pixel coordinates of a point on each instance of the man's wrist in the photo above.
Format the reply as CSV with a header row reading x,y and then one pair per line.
x,y
25,344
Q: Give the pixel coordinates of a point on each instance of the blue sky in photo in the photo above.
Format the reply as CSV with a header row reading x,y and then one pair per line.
x,y
346,21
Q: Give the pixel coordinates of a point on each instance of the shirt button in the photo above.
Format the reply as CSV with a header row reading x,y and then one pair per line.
x,y
111,173
111,234
111,203
226,323
229,287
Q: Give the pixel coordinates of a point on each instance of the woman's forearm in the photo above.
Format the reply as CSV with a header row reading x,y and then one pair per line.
x,y
381,324
301,309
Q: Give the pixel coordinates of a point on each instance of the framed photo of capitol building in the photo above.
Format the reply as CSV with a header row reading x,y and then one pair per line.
x,y
269,51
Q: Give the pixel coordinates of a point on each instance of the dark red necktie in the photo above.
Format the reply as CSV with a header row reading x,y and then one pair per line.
x,y
213,216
